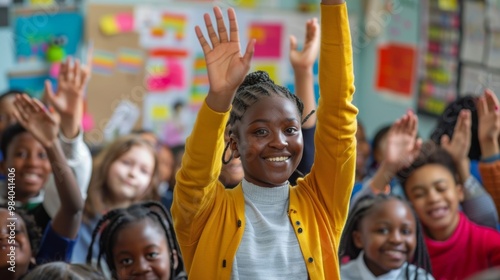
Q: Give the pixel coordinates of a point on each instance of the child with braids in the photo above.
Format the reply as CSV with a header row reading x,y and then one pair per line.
x,y
125,172
264,228
60,233
383,239
138,242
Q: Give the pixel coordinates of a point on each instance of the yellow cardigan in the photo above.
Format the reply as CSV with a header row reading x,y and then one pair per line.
x,y
209,220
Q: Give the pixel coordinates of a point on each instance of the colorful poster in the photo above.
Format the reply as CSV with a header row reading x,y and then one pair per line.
x,y
199,84
103,62
39,32
130,60
31,83
269,37
163,74
122,120
473,35
396,69
271,68
161,28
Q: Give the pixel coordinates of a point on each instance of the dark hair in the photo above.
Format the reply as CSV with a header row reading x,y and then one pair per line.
x,y
11,92
64,271
255,86
115,220
360,210
8,135
430,153
33,230
379,136
446,124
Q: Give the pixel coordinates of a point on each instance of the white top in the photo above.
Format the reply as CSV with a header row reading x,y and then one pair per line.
x,y
269,248
357,269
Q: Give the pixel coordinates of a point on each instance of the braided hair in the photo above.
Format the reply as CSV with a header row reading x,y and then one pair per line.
x,y
33,230
360,210
115,220
256,85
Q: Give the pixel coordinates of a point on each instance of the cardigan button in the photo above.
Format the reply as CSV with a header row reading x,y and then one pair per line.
x,y
297,223
310,260
300,230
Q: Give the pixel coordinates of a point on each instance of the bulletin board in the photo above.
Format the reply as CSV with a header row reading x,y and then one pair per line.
x,y
461,53
149,70
115,89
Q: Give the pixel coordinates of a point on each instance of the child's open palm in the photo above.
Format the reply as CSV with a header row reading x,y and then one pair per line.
x,y
402,143
33,116
305,59
458,147
489,123
225,65
71,83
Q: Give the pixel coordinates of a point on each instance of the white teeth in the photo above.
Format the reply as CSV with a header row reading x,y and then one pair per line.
x,y
278,159
30,176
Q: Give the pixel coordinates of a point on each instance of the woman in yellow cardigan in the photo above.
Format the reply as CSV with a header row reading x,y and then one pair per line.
x,y
264,228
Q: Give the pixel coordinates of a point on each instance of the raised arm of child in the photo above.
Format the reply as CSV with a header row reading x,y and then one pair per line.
x,y
197,186
332,175
302,63
41,124
489,133
68,103
478,204
402,148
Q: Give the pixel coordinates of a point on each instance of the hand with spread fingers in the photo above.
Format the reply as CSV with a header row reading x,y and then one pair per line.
x,y
225,65
488,109
68,101
33,116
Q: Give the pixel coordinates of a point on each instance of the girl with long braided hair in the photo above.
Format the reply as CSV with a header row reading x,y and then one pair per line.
x,y
264,228
138,241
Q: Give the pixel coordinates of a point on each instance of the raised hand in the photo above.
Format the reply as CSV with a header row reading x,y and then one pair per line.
x,y
305,59
402,143
225,66
459,145
33,116
402,149
489,123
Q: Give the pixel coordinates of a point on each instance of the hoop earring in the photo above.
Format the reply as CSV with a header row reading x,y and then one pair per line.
x,y
224,155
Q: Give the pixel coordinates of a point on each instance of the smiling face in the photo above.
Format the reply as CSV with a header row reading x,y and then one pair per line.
x,y
20,243
141,252
269,141
130,174
31,163
387,236
434,194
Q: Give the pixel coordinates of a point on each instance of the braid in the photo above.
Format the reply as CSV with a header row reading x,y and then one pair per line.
x,y
115,220
257,85
347,248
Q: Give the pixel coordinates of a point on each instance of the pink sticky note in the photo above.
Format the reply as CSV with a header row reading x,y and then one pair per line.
x,y
54,70
125,22
87,122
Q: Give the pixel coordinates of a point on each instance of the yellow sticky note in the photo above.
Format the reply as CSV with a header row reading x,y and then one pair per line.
x,y
159,113
42,2
271,69
448,5
108,25
248,3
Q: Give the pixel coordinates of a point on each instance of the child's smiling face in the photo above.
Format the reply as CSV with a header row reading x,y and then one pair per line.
x,y
387,235
31,163
269,141
20,243
141,252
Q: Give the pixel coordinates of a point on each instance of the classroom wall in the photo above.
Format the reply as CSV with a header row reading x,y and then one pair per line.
x,y
377,108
